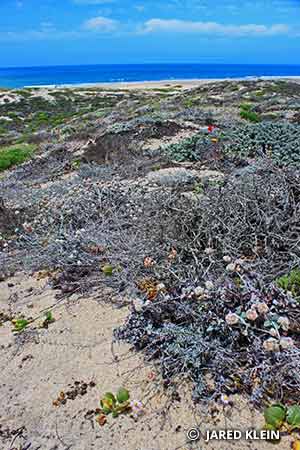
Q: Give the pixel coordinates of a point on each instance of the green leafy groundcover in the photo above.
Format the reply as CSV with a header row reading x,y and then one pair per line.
x,y
15,154
285,419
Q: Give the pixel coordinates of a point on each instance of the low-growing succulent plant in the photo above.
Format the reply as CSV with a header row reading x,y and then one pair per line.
x,y
107,270
279,141
47,320
191,149
275,416
115,404
20,325
282,418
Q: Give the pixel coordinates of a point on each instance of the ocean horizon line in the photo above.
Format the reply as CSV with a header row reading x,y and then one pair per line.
x,y
45,66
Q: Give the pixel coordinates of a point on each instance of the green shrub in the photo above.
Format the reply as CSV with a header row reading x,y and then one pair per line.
x,y
259,93
247,113
250,115
190,102
245,106
12,115
58,120
42,117
3,130
14,155
290,282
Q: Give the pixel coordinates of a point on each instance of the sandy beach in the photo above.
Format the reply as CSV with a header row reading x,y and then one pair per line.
x,y
132,85
161,84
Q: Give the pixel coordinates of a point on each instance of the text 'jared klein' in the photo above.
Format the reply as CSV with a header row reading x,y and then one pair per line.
x,y
235,435
194,434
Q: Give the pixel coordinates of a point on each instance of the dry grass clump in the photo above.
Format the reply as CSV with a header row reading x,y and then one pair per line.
x,y
254,215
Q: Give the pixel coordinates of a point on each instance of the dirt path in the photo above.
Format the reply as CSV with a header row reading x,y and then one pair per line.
x,y
38,364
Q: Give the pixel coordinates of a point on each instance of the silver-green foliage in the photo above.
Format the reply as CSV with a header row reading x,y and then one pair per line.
x,y
279,141
189,149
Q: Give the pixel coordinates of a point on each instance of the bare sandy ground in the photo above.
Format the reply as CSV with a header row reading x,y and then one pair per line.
x,y
181,84
163,84
38,364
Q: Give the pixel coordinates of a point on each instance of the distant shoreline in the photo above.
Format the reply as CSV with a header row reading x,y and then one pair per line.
x,y
180,83
132,76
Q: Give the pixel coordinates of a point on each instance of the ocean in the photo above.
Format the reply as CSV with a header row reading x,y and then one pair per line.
x,y
88,74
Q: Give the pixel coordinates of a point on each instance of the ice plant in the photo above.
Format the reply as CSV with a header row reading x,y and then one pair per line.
x,y
274,332
232,319
286,343
262,308
284,323
115,404
251,314
271,345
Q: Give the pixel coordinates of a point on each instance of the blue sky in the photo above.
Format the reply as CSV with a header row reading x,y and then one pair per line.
x,y
50,32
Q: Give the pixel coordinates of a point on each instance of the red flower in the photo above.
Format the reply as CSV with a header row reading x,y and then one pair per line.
x,y
210,128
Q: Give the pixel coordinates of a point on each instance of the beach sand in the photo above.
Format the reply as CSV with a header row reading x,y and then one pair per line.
x,y
161,84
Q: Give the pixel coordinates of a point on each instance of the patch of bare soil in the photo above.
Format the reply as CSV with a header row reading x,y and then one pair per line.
x,y
123,145
7,219
156,143
75,356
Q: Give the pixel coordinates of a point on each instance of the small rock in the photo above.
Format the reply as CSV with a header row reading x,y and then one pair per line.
x,y
199,291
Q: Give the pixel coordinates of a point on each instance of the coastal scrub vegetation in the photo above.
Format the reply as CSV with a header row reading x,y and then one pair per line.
x,y
15,154
278,141
247,113
176,207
